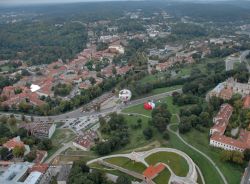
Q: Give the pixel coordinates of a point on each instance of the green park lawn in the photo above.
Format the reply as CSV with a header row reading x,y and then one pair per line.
x,y
59,137
139,109
209,172
102,168
127,164
163,177
232,172
199,140
164,90
177,163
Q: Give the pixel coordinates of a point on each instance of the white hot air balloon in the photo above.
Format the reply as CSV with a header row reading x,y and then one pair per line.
x,y
125,95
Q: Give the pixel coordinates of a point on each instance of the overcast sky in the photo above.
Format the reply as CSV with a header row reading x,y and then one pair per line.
x,y
3,2
45,1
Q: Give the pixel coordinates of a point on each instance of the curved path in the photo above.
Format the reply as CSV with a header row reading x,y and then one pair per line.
x,y
190,178
178,117
203,154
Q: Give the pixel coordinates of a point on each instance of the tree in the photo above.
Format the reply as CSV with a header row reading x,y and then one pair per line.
x,y
247,154
4,152
12,121
225,155
237,157
166,135
123,180
161,117
30,156
23,117
103,148
205,118
148,133
22,132
45,144
18,151
53,180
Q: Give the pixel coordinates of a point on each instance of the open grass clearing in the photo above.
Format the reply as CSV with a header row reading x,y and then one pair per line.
x,y
232,172
139,109
59,137
127,164
177,163
163,177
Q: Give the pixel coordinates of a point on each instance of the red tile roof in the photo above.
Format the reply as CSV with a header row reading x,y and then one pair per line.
x,y
42,168
229,141
153,171
12,143
246,102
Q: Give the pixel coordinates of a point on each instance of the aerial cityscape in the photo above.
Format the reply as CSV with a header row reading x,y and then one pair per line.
x,y
124,92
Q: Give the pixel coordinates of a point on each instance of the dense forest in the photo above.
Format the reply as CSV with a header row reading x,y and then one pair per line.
x,y
41,42
49,32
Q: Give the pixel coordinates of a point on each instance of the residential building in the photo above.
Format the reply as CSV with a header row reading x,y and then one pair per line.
x,y
218,139
16,142
64,174
85,141
20,173
226,89
40,130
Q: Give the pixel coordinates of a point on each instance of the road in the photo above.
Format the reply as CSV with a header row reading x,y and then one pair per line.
x,y
203,154
78,112
243,58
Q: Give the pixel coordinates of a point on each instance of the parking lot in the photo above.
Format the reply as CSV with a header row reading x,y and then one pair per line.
x,y
82,123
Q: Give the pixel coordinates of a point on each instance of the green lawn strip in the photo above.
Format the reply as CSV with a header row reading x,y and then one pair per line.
x,y
232,172
209,172
164,90
176,162
104,169
136,135
137,109
140,109
163,177
127,164
199,180
59,137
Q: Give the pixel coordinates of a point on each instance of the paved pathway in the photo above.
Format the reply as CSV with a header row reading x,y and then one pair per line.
x,y
65,147
203,154
190,178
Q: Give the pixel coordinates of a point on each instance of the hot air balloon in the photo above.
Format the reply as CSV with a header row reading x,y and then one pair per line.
x,y
125,95
149,105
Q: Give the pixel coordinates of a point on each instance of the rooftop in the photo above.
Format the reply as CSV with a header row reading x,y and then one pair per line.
x,y
153,171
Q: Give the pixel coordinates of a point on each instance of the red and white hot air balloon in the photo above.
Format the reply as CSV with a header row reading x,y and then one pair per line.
x,y
149,105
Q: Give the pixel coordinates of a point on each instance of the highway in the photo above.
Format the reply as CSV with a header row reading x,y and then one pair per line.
x,y
78,112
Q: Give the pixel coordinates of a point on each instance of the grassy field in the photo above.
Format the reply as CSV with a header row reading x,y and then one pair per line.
x,y
163,177
59,137
137,109
111,171
232,172
176,162
164,90
140,109
127,164
209,172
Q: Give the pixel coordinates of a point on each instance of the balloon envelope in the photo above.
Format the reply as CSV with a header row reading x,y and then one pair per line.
x,y
149,105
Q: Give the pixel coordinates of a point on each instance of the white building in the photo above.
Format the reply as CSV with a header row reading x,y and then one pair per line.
x,y
18,174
